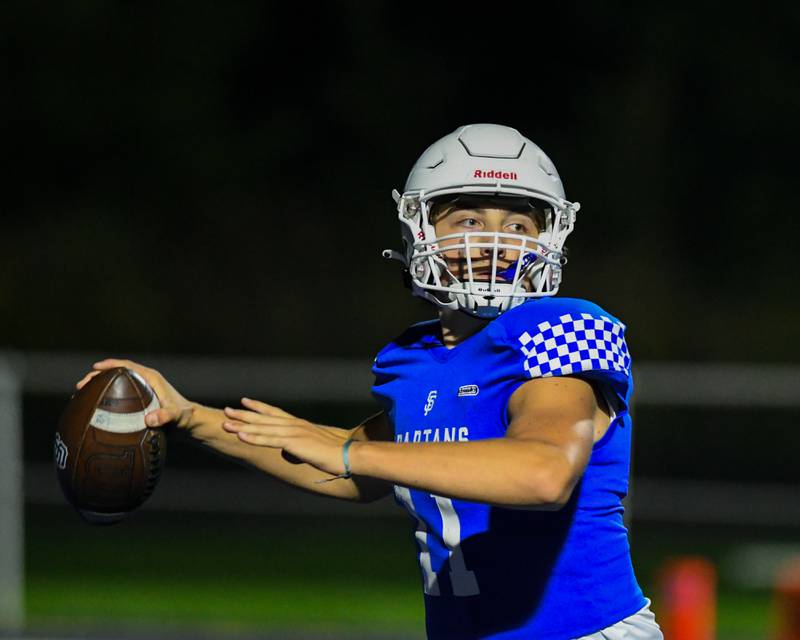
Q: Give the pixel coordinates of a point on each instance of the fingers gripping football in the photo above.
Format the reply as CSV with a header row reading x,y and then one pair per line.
x,y
174,407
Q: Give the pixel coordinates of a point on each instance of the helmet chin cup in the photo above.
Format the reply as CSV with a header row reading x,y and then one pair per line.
x,y
492,282
487,302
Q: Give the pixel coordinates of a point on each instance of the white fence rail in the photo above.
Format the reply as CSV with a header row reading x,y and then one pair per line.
x,y
349,381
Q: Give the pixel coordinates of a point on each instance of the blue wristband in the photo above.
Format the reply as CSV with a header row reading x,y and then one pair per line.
x,y
346,458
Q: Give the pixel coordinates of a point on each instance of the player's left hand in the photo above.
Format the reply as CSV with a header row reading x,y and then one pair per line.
x,y
263,425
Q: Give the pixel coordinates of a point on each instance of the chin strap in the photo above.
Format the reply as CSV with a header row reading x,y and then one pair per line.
x,y
391,254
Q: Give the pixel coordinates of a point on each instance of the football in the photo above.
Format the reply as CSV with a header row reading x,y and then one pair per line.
x,y
107,460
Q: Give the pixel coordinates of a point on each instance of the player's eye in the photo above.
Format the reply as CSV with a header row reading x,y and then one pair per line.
x,y
522,225
469,222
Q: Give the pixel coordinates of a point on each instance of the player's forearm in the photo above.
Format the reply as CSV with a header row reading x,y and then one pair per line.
x,y
205,427
502,471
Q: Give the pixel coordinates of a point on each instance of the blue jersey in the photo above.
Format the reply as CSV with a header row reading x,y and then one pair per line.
x,y
491,572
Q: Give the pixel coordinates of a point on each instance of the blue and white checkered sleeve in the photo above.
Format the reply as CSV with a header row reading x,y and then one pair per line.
x,y
576,343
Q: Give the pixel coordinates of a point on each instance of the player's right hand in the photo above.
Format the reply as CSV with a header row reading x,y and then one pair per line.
x,y
174,407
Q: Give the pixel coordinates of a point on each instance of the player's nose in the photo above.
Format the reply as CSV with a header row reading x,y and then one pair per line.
x,y
488,252
491,240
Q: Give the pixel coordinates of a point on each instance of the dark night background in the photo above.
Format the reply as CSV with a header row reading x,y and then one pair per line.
x,y
216,178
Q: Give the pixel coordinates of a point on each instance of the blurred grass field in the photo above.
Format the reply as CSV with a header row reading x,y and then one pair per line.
x,y
232,573
251,574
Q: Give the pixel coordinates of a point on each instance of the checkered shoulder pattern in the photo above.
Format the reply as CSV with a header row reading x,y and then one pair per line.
x,y
575,343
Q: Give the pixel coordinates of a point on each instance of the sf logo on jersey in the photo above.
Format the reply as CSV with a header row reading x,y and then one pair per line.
x,y
431,399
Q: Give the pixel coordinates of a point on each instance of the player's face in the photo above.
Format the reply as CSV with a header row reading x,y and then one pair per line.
x,y
484,219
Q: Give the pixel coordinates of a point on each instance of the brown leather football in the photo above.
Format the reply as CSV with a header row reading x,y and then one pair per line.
x,y
108,462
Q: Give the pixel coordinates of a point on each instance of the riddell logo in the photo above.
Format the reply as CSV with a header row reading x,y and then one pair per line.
x,y
502,175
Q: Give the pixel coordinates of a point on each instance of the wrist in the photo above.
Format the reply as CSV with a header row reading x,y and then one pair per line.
x,y
356,457
348,471
194,415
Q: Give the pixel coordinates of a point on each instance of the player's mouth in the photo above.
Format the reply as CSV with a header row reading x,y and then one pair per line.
x,y
479,274
486,278
482,271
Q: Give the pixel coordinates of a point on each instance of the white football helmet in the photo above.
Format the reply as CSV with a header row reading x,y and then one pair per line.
x,y
483,160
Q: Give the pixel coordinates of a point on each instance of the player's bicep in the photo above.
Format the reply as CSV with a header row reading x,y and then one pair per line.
x,y
560,412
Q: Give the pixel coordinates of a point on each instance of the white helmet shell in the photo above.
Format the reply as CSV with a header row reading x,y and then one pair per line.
x,y
485,155
488,160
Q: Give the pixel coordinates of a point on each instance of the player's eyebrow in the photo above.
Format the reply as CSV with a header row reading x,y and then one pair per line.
x,y
468,210
447,209
443,213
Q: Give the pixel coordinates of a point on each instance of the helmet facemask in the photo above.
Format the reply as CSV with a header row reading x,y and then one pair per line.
x,y
482,273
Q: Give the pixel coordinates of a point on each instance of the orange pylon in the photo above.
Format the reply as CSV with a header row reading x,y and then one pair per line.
x,y
688,607
787,600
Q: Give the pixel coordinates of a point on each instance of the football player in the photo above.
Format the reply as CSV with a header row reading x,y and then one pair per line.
x,y
505,428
